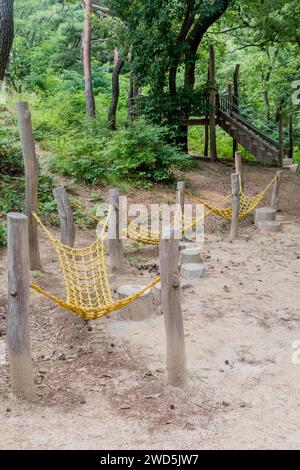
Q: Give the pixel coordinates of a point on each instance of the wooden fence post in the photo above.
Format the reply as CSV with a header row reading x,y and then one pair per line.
x,y
235,185
31,181
66,216
116,255
171,306
239,167
180,195
276,190
18,340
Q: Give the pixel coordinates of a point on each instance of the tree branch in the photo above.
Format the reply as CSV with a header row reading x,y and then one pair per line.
x,y
100,9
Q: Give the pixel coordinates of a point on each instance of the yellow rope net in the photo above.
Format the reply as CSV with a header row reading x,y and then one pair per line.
x,y
88,293
247,203
137,233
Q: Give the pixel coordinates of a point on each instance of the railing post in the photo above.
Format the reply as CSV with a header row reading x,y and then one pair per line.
x,y
171,306
66,216
18,339
235,186
31,181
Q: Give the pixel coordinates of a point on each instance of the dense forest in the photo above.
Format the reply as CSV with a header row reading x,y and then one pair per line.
x,y
110,82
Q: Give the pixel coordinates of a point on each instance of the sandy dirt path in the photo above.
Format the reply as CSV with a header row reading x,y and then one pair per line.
x,y
102,386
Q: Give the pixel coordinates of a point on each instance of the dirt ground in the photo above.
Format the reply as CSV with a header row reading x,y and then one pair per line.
x,y
102,385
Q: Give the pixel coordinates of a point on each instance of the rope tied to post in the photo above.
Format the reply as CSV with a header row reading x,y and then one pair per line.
x,y
247,203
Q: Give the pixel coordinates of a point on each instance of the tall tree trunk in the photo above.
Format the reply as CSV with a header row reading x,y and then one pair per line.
x,y
193,41
134,91
86,60
115,92
6,34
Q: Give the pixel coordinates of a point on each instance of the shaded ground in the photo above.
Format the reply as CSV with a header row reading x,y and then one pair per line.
x,y
101,385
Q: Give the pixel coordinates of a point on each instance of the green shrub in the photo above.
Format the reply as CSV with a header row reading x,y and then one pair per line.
x,y
13,194
3,235
138,153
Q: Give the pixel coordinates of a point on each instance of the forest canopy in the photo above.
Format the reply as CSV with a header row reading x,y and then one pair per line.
x,y
111,81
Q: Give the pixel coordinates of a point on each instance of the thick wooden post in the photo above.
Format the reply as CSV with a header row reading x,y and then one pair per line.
x,y
31,181
235,185
276,190
239,167
280,133
116,255
212,104
18,341
180,195
171,306
66,216
291,137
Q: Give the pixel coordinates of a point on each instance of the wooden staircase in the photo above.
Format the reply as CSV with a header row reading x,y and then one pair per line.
x,y
259,144
262,148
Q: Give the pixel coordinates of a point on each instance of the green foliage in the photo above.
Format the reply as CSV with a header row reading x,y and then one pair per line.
x,y
3,235
138,153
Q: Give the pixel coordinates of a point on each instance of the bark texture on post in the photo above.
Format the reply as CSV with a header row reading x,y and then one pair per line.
x,y
86,59
239,167
31,181
115,92
6,34
180,195
276,191
212,104
235,185
171,306
116,255
18,339
66,216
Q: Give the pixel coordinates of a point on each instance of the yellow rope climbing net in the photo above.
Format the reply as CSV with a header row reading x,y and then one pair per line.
x,y
247,203
136,232
88,293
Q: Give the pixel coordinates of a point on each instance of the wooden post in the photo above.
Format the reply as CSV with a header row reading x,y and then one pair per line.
x,y
276,190
239,167
212,104
280,133
18,340
116,255
180,195
171,306
66,216
235,185
291,137
31,181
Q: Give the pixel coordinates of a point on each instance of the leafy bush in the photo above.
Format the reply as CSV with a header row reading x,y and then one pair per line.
x,y
3,235
138,153
13,194
11,161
